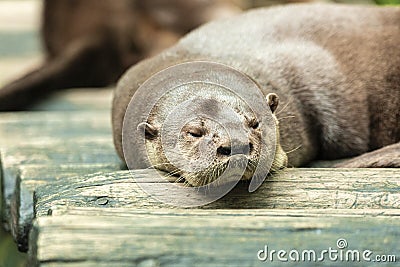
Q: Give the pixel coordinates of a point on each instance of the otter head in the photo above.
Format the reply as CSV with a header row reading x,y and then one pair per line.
x,y
222,138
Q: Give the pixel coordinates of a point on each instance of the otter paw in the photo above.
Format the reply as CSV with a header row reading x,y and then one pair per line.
x,y
387,157
369,163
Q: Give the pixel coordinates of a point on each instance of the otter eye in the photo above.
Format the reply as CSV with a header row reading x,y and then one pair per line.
x,y
195,133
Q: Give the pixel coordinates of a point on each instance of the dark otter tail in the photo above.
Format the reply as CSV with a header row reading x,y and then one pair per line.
x,y
84,64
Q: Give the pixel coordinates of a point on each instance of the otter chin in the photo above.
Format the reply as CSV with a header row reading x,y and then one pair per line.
x,y
222,142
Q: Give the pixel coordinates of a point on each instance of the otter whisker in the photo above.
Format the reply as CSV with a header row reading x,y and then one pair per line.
x,y
284,107
173,173
287,117
180,180
293,150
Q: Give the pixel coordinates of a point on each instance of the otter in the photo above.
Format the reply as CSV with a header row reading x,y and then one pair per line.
x,y
335,68
90,43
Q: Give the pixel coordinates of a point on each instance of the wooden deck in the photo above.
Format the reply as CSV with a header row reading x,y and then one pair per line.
x,y
67,201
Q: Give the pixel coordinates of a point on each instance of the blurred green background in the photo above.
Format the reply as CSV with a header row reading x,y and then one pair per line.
x,y
388,2
9,256
20,50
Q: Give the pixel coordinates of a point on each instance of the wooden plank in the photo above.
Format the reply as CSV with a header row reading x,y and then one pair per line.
x,y
350,189
50,137
203,238
132,212
71,151
32,176
42,127
291,189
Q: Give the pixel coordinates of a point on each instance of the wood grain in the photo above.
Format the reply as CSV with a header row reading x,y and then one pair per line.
x,y
32,176
94,150
49,138
67,185
200,238
43,127
291,189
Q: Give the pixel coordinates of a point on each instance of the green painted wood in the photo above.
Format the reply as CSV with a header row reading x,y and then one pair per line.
x,y
50,138
128,237
132,212
291,189
350,189
32,176
68,151
43,127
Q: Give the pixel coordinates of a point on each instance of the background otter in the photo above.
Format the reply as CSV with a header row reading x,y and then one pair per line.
x,y
336,69
90,43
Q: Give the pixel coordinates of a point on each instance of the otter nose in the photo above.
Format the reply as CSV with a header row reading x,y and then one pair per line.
x,y
225,150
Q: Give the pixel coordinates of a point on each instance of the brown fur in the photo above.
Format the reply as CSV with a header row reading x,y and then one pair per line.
x,y
206,135
386,157
90,43
336,69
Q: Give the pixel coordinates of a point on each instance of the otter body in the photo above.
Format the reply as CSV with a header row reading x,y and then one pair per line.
x,y
336,69
90,43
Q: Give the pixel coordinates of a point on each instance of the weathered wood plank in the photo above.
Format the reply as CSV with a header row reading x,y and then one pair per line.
x,y
132,212
179,238
71,151
42,127
32,176
291,189
31,137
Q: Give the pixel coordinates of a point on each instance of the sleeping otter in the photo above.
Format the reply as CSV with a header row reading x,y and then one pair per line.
x,y
90,43
335,68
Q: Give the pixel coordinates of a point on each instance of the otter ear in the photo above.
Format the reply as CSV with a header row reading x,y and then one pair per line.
x,y
149,130
272,101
